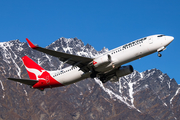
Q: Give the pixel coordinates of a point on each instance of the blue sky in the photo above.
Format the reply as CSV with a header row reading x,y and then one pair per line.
x,y
101,23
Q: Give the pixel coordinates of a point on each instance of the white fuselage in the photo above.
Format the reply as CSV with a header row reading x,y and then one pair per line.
x,y
121,55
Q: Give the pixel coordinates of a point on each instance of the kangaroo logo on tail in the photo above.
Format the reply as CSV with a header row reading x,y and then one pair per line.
x,y
36,72
33,69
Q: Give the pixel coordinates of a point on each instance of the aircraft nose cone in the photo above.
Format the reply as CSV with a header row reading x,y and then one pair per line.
x,y
170,38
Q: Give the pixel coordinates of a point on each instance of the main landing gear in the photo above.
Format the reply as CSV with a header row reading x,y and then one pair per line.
x,y
103,79
159,54
94,73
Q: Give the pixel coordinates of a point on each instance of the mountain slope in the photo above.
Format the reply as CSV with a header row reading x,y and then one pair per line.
x,y
139,96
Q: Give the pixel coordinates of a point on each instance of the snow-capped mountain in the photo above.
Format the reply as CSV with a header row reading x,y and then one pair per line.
x,y
150,95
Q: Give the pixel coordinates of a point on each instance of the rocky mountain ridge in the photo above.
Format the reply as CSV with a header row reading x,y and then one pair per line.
x,y
138,96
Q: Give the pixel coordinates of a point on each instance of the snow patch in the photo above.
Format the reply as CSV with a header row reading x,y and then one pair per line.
x,y
177,91
82,53
6,46
56,48
81,93
25,92
131,92
67,49
2,85
2,89
143,87
150,74
165,104
111,94
89,88
141,75
20,49
114,95
161,77
169,84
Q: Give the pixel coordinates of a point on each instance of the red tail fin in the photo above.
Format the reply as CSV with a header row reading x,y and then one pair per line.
x,y
33,69
35,72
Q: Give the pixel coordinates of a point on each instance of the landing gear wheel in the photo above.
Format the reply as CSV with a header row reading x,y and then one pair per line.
x,y
159,54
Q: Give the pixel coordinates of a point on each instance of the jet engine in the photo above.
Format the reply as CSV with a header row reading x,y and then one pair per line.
x,y
101,61
114,77
124,70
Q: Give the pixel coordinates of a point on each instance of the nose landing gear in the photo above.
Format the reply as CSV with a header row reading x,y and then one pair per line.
x,y
160,50
159,54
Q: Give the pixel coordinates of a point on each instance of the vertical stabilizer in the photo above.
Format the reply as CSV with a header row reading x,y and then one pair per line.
x,y
36,72
33,69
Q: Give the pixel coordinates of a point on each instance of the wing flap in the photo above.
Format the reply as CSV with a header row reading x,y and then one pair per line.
x,y
24,81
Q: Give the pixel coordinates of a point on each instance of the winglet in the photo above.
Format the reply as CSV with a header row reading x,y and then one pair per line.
x,y
31,44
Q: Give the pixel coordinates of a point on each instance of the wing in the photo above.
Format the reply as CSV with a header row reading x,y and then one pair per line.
x,y
74,60
24,81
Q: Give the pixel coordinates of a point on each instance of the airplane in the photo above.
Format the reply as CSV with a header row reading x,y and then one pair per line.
x,y
106,67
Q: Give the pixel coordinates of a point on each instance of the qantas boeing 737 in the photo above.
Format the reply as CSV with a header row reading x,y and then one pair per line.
x,y
107,66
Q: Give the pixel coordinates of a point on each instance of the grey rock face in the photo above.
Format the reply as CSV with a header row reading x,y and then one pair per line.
x,y
150,95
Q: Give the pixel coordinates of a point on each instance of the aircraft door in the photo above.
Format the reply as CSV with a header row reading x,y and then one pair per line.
x,y
139,51
150,40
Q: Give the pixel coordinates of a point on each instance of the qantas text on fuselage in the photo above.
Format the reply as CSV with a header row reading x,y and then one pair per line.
x,y
107,66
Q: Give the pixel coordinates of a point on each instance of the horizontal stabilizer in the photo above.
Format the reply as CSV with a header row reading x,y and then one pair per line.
x,y
24,81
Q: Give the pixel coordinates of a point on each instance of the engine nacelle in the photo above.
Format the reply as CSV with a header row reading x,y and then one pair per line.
x,y
101,61
114,77
124,70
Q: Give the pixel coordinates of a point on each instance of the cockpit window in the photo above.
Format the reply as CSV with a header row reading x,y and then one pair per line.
x,y
160,35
